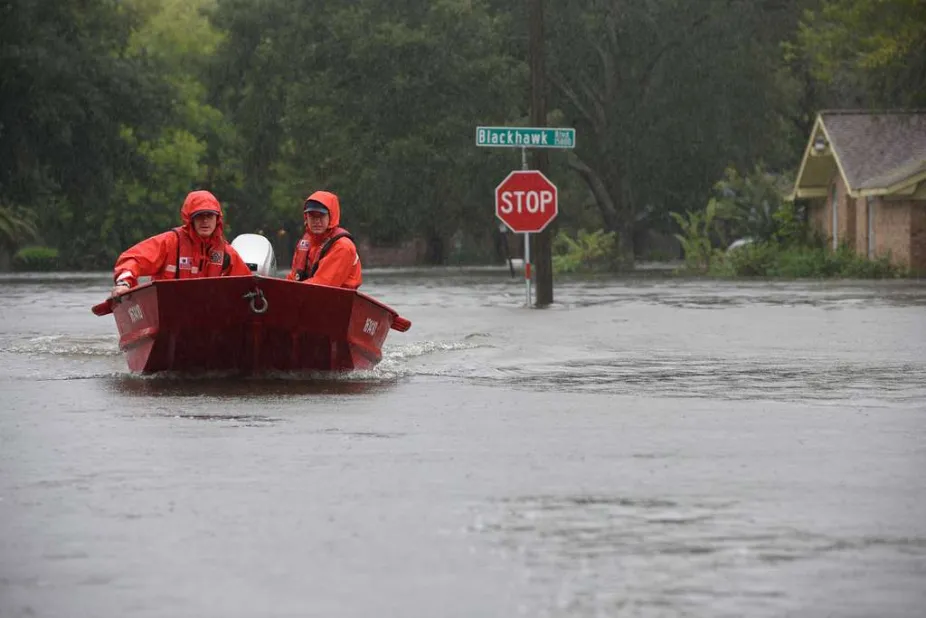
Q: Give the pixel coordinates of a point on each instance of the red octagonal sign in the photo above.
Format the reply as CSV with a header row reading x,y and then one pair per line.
x,y
526,201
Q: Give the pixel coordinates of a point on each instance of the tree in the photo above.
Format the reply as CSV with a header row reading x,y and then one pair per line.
x,y
176,37
67,89
377,103
867,52
665,95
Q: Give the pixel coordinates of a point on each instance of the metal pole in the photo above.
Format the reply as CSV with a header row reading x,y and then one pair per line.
x,y
527,241
527,266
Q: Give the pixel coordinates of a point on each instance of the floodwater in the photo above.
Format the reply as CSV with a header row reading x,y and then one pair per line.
x,y
645,447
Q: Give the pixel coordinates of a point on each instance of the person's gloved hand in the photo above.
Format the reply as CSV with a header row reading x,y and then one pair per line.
x,y
120,288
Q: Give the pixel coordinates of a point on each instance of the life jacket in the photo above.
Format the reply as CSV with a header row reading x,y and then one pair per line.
x,y
188,260
307,271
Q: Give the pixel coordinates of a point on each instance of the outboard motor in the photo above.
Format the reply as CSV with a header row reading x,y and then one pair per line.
x,y
257,253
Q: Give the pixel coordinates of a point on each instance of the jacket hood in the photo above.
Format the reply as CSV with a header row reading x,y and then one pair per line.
x,y
201,201
330,200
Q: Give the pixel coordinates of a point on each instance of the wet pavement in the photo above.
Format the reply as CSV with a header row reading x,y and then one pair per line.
x,y
645,447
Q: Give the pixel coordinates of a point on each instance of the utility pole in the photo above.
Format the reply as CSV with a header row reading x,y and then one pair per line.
x,y
543,242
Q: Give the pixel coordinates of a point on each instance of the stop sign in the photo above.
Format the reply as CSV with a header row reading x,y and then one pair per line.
x,y
526,201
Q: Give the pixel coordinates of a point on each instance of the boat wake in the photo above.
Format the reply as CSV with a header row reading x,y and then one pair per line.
x,y
398,362
425,348
224,385
64,345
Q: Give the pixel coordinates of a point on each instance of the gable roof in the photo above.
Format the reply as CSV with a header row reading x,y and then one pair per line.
x,y
875,152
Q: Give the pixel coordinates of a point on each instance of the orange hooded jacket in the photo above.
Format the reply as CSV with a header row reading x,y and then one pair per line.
x,y
181,253
340,264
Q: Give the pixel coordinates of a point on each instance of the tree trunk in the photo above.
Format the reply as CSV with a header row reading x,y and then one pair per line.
x,y
616,215
435,252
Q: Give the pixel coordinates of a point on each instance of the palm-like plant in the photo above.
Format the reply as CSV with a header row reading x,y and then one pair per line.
x,y
697,229
587,252
16,227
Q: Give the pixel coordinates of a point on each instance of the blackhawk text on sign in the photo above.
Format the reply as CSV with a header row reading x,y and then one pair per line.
x,y
527,137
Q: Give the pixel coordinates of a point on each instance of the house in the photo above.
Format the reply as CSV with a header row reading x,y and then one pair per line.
x,y
864,176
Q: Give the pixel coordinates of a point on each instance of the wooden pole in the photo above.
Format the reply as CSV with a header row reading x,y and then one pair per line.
x,y
543,242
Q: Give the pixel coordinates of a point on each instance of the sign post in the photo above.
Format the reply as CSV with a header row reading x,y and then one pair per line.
x,y
526,201
518,215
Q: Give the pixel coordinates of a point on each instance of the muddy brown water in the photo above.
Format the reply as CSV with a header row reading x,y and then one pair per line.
x,y
645,447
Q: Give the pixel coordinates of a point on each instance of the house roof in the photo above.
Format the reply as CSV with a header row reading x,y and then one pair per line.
x,y
875,152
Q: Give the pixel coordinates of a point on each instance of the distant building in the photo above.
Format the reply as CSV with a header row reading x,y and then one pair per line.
x,y
864,173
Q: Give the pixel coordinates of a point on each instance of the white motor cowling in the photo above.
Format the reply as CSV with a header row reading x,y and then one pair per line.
x,y
257,253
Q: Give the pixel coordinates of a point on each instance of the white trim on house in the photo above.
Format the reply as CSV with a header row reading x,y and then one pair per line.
x,y
798,192
887,184
908,186
814,192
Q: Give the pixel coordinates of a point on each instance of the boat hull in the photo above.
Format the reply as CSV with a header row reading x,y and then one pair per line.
x,y
250,324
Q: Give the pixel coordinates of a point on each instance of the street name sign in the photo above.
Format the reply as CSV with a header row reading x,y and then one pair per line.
x,y
525,137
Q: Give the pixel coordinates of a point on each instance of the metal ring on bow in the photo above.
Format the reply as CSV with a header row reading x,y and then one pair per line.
x,y
257,296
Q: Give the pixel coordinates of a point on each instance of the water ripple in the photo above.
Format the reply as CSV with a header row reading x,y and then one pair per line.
x,y
720,378
599,554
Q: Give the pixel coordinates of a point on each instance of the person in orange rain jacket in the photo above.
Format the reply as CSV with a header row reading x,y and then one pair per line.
x,y
195,249
326,254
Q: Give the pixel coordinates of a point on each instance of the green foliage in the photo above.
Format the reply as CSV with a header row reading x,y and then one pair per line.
x,y
588,252
68,88
780,242
665,95
176,36
369,102
36,259
151,203
792,228
698,227
768,259
112,110
17,225
749,205
869,49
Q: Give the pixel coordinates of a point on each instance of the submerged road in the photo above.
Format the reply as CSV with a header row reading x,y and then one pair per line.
x,y
645,447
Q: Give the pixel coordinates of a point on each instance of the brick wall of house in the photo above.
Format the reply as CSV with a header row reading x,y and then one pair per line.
x,y
861,226
845,214
892,230
850,237
899,226
816,214
918,237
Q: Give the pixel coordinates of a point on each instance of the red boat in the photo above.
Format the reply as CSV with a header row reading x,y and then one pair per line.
x,y
249,324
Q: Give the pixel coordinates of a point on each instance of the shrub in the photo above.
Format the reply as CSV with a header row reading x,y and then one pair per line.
x,y
697,228
772,260
17,225
752,260
588,252
36,259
